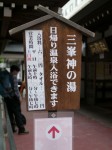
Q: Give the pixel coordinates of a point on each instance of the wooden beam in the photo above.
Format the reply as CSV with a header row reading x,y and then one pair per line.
x,y
29,24
5,22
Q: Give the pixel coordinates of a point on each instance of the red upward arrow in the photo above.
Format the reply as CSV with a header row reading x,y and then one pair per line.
x,y
53,130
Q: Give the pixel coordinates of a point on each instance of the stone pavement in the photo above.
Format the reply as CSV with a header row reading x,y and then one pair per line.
x,y
91,131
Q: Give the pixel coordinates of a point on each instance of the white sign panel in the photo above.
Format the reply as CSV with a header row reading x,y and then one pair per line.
x,y
53,133
73,7
35,69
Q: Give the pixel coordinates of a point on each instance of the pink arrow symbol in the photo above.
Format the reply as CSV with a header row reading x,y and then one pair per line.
x,y
53,130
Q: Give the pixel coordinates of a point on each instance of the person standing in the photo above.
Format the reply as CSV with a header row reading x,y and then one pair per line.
x,y
12,99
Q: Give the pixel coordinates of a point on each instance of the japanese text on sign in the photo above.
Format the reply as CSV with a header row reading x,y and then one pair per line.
x,y
71,63
35,69
53,62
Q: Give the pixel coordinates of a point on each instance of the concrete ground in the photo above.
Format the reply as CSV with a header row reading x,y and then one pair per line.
x,y
92,130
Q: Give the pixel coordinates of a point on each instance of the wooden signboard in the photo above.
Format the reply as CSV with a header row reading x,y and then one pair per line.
x,y
53,65
53,61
